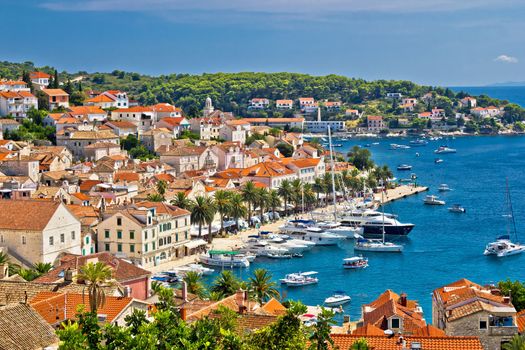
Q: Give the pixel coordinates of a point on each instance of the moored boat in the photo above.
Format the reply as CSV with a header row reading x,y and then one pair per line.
x,y
355,262
300,279
224,258
457,208
377,245
444,150
443,188
337,299
404,167
433,200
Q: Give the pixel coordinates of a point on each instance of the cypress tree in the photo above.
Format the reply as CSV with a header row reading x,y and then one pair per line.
x,y
80,85
55,86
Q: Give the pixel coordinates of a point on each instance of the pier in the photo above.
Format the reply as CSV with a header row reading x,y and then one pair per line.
x,y
400,192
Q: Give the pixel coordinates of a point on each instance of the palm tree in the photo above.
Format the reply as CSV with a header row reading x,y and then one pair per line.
x,y
222,202
516,343
237,208
327,180
318,187
262,200
249,194
194,283
161,187
181,201
274,201
199,212
13,268
211,211
42,268
286,192
262,287
155,197
360,344
95,276
297,190
156,287
309,196
225,284
28,274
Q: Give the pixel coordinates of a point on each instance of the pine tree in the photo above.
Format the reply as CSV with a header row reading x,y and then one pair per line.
x,y
80,85
55,81
69,87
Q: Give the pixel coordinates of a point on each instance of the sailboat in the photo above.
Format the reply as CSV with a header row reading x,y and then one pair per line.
x,y
503,246
378,245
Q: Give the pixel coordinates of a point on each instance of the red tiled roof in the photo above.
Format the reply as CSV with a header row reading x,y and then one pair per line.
x,y
345,341
520,320
39,75
275,120
126,176
55,92
266,169
56,307
29,215
101,98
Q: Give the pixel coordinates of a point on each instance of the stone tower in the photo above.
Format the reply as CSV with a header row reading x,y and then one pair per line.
x,y
208,107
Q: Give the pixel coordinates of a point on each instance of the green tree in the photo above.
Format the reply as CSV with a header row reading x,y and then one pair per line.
x,y
96,276
200,212
223,202
249,194
320,338
262,200
274,201
182,201
360,344
225,284
360,158
516,343
285,148
262,287
194,284
515,290
286,192
237,208
42,268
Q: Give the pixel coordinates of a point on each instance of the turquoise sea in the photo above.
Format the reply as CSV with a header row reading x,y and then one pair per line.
x,y
443,247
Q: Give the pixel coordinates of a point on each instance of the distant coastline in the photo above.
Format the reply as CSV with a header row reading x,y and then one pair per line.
x,y
514,94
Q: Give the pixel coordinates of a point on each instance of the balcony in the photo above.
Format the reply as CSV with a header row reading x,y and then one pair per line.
x,y
502,326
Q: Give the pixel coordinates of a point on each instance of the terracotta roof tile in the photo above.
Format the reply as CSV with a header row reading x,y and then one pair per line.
x,y
345,341
30,215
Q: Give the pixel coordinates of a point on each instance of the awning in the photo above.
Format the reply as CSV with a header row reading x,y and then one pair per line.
x,y
195,243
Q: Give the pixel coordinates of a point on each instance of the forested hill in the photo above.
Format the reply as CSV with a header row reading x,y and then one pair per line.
x,y
231,91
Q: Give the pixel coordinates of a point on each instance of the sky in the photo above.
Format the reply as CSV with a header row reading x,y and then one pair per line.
x,y
433,42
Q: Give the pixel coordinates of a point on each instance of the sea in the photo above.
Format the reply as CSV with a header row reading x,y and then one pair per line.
x,y
443,247
514,94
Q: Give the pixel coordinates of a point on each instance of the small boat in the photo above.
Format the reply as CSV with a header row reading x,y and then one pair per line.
x,y
164,279
355,262
457,208
337,299
337,145
438,160
224,258
377,245
404,167
444,150
433,200
279,255
375,143
197,268
443,188
300,279
418,143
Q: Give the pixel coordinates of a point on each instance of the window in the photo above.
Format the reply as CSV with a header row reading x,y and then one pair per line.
x,y
51,240
1,238
62,238
131,234
153,233
186,235
87,239
119,221
119,234
152,245
119,247
482,324
146,234
176,237
146,248
160,242
73,235
23,239
107,247
132,248
395,323
106,233
91,250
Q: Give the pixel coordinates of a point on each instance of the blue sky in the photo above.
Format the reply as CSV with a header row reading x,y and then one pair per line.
x,y
437,42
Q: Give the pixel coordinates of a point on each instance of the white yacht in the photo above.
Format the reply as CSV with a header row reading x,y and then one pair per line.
x,y
433,200
444,188
300,279
444,150
503,246
390,227
457,208
338,228
224,258
337,299
377,245
198,268
263,248
300,230
360,217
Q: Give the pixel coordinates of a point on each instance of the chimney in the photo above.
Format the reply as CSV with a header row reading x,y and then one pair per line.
x,y
184,291
506,300
183,313
403,299
240,298
4,271
68,275
318,114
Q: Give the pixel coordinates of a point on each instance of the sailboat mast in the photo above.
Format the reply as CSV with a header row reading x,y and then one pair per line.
x,y
383,211
332,166
511,210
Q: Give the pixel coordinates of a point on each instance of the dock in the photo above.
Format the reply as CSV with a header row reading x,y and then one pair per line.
x,y
400,192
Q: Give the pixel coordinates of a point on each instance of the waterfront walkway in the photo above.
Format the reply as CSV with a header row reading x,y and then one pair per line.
x,y
402,191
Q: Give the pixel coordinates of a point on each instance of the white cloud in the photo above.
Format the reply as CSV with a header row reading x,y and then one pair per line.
x,y
506,59
274,6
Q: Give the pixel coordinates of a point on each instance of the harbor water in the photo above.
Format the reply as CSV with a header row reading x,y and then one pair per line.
x,y
444,246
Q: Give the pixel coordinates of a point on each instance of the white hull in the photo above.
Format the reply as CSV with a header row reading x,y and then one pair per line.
x,y
332,301
379,247
224,262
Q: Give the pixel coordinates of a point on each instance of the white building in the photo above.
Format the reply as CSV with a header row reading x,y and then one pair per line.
x,y
375,123
284,104
322,126
259,103
142,117
17,103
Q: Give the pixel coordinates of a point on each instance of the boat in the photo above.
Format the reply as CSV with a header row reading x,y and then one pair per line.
x,y
503,246
433,200
457,208
418,143
443,188
339,229
390,226
395,146
378,245
262,247
279,255
337,145
163,278
404,167
438,160
444,150
197,268
300,279
224,258
360,217
337,299
304,230
375,143
355,262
